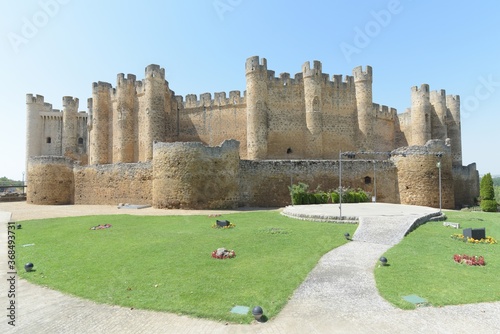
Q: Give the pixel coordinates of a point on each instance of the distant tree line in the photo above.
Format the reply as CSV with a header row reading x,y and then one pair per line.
x,y
6,183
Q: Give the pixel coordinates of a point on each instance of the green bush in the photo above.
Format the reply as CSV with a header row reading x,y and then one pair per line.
x,y
334,197
298,193
489,205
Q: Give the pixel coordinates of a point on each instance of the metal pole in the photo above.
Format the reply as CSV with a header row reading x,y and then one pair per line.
x,y
340,183
440,200
374,183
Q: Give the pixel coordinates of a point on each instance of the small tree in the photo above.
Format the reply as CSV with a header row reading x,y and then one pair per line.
x,y
487,194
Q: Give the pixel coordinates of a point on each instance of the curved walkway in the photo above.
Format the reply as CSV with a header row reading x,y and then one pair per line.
x,y
338,296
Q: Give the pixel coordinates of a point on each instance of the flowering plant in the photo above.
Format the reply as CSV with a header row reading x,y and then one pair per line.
x,y
469,260
222,253
461,237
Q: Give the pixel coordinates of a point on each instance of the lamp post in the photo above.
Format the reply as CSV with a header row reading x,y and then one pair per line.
x,y
438,165
340,183
374,184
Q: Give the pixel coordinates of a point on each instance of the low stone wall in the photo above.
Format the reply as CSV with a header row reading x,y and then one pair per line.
x,y
114,183
466,185
192,175
50,180
265,183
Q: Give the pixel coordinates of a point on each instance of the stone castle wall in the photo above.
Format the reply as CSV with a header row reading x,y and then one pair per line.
x,y
50,180
466,184
113,183
191,175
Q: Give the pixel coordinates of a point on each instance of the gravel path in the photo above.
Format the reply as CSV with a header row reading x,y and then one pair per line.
x,y
338,296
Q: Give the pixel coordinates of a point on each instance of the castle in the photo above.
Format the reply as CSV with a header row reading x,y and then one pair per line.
x,y
141,143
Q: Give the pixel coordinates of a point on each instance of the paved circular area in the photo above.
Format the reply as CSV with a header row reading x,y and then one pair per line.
x,y
338,296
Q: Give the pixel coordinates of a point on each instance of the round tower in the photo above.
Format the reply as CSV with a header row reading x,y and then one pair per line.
x,y
70,127
124,136
438,116
313,102
454,128
420,115
50,180
153,117
364,102
101,117
418,174
34,131
257,124
190,175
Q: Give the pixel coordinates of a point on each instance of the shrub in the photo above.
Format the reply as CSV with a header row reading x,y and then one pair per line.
x,y
489,205
335,197
298,193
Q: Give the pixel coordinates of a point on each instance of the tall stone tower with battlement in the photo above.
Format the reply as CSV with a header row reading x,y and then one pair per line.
x,y
310,116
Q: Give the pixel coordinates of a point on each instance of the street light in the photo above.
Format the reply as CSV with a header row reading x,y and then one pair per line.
x,y
374,184
340,183
438,165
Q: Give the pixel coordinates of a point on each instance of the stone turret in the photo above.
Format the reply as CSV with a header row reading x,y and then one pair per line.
x,y
124,134
101,117
438,114
454,128
34,132
364,100
257,124
153,118
313,102
69,131
420,115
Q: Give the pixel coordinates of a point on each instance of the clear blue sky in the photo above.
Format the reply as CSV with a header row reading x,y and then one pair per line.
x,y
59,47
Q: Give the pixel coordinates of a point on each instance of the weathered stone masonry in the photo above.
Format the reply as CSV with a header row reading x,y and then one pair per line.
x,y
141,143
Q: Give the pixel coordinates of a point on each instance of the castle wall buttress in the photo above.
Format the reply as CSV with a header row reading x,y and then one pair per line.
x,y
364,100
257,118
454,128
70,127
313,109
420,115
102,120
124,120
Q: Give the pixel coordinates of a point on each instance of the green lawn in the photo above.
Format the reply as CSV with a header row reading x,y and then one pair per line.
x,y
165,264
422,264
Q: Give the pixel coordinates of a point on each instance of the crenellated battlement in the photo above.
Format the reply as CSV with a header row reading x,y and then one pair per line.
x,y
438,96
39,99
423,89
205,100
121,80
453,99
254,65
384,112
70,103
155,71
101,86
315,71
360,75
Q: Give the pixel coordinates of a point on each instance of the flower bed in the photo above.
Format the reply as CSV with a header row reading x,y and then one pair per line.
x,y
469,260
487,240
223,224
222,253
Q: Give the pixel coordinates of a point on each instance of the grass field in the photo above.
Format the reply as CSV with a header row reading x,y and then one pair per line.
x,y
164,263
422,264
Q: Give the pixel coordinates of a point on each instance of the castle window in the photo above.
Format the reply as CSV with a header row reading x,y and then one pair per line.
x,y
368,180
80,141
49,140
289,150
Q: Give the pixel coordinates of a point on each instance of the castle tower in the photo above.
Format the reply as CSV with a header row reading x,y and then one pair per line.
x,y
101,118
34,131
124,136
256,76
313,102
50,180
438,114
152,118
454,128
420,115
364,101
70,126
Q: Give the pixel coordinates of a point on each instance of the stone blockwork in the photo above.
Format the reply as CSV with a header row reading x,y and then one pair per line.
x,y
265,183
50,181
114,183
286,126
191,175
418,174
